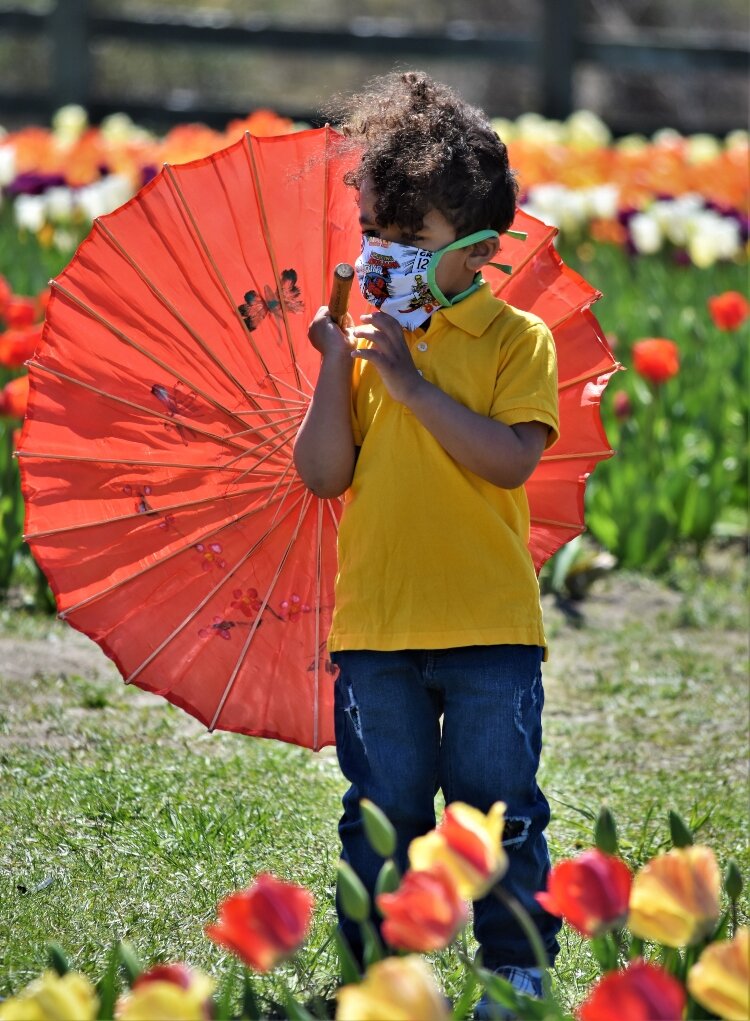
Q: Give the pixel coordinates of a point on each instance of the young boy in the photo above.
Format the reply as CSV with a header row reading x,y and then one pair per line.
x,y
431,425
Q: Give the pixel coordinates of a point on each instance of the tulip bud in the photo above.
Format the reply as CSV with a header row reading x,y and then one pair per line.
x,y
733,881
355,901
682,836
388,878
57,959
378,829
605,832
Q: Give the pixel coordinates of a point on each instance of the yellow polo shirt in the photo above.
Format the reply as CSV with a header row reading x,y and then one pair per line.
x,y
431,556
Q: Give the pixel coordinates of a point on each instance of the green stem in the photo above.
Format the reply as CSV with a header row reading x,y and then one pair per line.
x,y
523,918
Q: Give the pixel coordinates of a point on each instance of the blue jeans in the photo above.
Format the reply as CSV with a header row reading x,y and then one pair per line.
x,y
390,748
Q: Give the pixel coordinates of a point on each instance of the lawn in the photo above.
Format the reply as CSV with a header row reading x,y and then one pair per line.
x,y
122,818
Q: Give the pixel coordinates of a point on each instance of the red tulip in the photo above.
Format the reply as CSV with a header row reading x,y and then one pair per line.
x,y
656,359
19,312
6,293
591,892
17,346
642,992
264,923
729,310
42,301
425,913
13,397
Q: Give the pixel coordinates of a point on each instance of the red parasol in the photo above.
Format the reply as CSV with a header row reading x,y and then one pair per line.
x,y
174,371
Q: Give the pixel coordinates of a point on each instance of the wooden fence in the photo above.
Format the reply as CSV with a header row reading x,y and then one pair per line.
x,y
71,27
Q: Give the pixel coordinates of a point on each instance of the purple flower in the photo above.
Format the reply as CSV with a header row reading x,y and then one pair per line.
x,y
33,183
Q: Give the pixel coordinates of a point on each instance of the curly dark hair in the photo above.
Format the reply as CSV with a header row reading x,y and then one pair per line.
x,y
425,147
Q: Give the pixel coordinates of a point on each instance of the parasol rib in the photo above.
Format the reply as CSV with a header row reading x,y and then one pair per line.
x,y
125,462
209,534
206,599
256,623
324,284
151,513
586,377
149,412
271,252
318,598
294,389
284,442
296,417
559,524
578,455
166,303
219,276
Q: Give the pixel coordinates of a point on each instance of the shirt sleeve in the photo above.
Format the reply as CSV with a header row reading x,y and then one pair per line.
x,y
526,384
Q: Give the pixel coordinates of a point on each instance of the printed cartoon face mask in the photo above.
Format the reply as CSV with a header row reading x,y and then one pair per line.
x,y
400,279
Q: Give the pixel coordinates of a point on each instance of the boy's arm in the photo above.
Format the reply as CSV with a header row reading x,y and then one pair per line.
x,y
324,450
504,455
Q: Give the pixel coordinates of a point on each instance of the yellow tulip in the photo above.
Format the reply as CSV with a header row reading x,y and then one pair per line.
x,y
675,897
53,997
720,981
468,844
176,993
395,989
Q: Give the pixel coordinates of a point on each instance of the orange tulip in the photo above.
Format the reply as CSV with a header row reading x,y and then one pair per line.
x,y
16,346
469,844
14,397
656,359
720,981
729,310
395,989
264,923
642,992
166,992
590,892
675,897
425,913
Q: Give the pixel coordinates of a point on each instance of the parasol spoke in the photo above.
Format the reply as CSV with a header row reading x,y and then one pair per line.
x,y
284,442
271,252
578,455
558,524
318,601
586,377
264,603
152,513
296,417
202,538
170,176
206,348
175,419
204,602
294,389
128,462
324,281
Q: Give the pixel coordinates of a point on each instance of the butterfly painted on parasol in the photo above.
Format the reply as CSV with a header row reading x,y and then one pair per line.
x,y
256,307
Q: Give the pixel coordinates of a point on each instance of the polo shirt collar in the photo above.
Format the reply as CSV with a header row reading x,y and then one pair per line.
x,y
474,314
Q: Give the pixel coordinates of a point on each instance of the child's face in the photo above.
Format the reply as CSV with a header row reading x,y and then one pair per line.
x,y
455,270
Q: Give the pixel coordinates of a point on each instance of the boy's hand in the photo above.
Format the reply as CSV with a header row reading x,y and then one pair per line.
x,y
329,338
390,354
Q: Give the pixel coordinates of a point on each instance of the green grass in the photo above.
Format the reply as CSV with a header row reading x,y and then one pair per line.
x,y
121,818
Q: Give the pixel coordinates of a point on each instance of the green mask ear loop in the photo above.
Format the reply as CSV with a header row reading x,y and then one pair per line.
x,y
520,235
470,239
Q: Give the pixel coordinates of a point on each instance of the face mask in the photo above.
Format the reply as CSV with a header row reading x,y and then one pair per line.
x,y
400,279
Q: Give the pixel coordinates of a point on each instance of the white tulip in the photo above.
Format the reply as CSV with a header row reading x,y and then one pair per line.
x,y
30,212
739,139
7,164
645,233
631,143
60,204
712,237
69,123
602,201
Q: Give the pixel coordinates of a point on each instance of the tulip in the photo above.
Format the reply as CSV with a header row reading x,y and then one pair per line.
x,y
729,310
395,989
17,346
720,981
642,992
621,405
675,897
6,293
425,913
167,992
469,844
53,997
264,923
656,359
19,312
14,397
590,892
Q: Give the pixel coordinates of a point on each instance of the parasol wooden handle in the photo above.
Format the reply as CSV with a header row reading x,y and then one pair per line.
x,y
343,275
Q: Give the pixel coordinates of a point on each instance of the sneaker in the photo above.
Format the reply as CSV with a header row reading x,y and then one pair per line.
x,y
524,980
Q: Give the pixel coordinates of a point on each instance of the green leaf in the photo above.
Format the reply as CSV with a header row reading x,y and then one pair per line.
x,y
131,965
373,948
464,1003
250,1007
353,897
379,831
107,987
58,959
348,966
605,832
733,881
682,836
